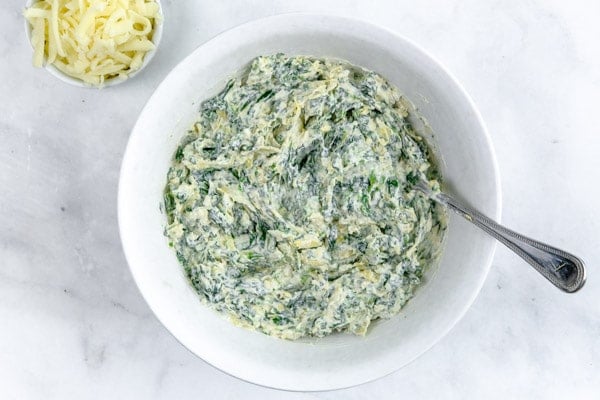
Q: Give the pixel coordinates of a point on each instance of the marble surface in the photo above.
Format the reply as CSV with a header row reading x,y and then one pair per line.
x,y
74,324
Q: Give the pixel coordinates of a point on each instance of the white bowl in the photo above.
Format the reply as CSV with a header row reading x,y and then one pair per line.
x,y
336,361
156,37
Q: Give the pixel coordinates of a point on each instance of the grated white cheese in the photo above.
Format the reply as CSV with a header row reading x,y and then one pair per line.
x,y
93,40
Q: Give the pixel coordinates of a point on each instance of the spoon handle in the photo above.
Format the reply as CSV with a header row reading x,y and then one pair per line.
x,y
564,270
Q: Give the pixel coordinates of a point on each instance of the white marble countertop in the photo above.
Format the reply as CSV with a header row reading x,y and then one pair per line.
x,y
75,326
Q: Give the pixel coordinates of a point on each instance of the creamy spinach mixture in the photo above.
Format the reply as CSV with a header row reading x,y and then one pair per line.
x,y
290,202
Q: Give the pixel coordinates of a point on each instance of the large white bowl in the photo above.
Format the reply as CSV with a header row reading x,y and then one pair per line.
x,y
468,164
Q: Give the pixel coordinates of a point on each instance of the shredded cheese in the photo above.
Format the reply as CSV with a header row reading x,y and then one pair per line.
x,y
93,40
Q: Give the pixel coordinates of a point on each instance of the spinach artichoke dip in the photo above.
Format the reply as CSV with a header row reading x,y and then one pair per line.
x,y
290,203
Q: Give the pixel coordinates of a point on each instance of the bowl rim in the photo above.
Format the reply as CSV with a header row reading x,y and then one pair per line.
x,y
57,73
485,263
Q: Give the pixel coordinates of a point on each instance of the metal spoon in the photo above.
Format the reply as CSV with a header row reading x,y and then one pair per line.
x,y
564,270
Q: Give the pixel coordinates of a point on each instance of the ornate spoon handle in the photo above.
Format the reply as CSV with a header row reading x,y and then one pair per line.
x,y
563,269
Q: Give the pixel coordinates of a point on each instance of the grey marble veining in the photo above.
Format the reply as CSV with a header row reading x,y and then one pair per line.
x,y
75,326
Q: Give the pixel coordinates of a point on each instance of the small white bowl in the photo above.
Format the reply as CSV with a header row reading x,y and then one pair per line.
x,y
156,37
337,361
